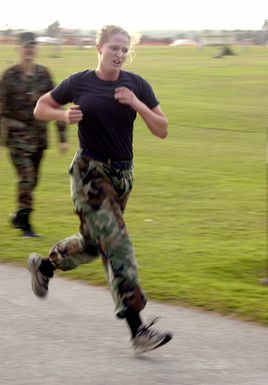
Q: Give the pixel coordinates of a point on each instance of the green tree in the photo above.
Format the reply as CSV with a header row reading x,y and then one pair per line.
x,y
53,31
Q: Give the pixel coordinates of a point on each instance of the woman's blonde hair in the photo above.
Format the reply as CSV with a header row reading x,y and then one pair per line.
x,y
107,31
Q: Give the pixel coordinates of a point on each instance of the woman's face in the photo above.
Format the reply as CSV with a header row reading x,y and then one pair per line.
x,y
113,53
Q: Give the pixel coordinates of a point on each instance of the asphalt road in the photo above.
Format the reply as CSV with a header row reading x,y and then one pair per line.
x,y
73,338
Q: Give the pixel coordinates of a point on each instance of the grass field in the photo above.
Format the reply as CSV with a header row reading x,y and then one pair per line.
x,y
198,210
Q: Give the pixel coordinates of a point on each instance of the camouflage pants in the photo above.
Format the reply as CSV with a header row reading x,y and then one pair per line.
x,y
100,193
27,166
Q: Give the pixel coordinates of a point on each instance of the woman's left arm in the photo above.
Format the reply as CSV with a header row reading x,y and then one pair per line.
x,y
154,118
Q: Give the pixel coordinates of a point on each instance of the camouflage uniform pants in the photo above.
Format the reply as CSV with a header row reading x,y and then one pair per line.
x,y
27,166
100,193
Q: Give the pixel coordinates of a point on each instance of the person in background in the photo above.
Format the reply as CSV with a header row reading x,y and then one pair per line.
x,y
20,87
104,104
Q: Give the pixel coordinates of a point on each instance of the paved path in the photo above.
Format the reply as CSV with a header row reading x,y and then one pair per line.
x,y
72,338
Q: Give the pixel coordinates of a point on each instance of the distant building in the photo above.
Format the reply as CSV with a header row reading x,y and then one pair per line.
x,y
217,38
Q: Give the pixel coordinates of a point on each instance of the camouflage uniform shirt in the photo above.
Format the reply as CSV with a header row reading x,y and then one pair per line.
x,y
18,96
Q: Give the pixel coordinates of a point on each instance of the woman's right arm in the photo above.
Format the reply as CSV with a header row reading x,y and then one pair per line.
x,y
48,109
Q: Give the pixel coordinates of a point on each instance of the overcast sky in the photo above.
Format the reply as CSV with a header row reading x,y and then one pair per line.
x,y
135,15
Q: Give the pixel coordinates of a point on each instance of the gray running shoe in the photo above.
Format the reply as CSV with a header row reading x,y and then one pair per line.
x,y
148,339
39,281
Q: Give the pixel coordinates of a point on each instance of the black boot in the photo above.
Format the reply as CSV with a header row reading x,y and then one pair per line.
x,y
21,221
18,219
14,219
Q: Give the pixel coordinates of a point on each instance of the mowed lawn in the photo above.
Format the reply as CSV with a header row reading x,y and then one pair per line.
x,y
197,214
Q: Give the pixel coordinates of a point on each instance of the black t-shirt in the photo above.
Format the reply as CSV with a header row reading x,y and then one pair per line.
x,y
107,125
